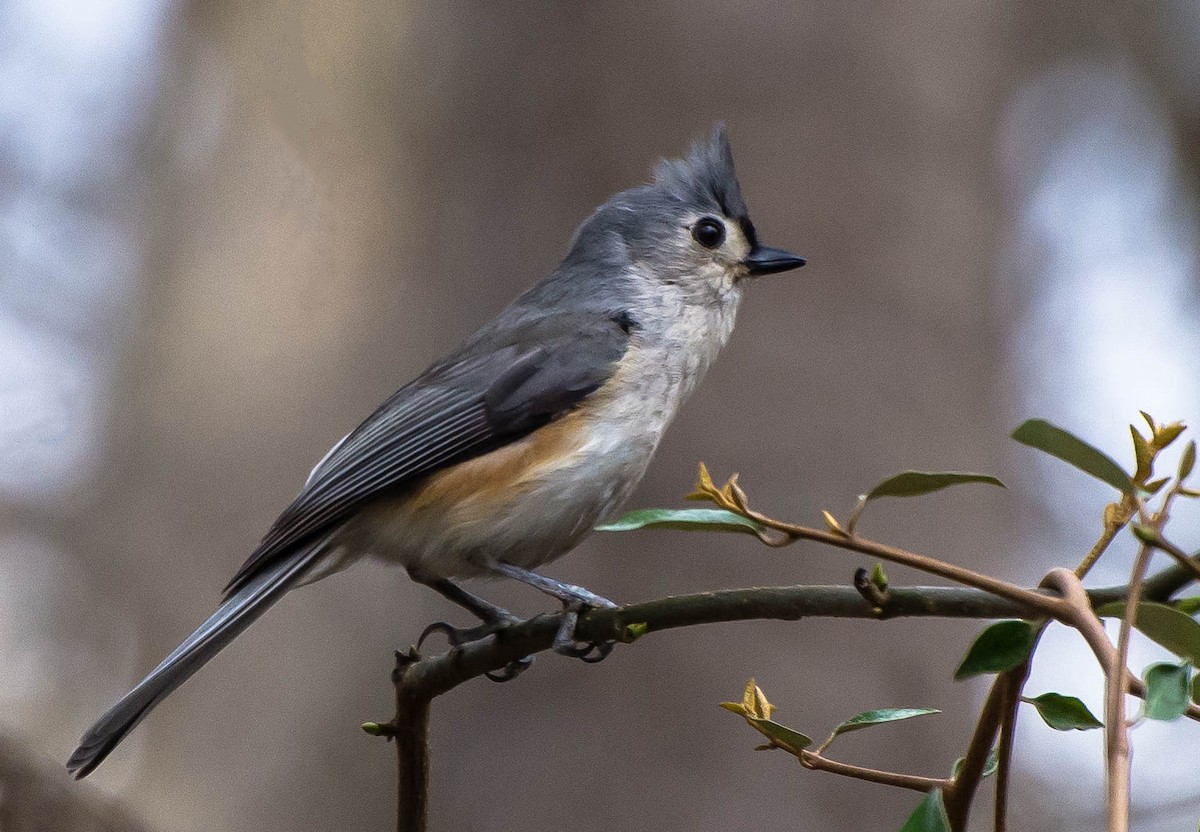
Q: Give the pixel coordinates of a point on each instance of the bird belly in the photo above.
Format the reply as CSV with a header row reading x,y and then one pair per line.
x,y
526,503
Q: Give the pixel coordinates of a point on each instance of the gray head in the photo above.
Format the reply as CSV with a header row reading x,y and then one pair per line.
x,y
689,227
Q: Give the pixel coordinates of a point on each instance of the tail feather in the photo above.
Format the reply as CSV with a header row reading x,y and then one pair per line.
x,y
235,614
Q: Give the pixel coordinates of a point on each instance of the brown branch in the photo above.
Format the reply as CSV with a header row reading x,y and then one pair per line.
x,y
1116,687
410,729
1177,554
813,760
1161,585
1000,709
435,675
1045,605
960,794
1008,730
1116,517
998,714
1090,627
419,679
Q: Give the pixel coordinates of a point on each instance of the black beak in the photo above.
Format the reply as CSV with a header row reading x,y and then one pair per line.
x,y
767,260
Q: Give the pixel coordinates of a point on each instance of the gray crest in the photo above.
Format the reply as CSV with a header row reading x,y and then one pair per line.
x,y
706,178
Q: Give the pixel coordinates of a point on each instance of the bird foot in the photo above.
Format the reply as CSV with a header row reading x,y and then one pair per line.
x,y
565,643
459,636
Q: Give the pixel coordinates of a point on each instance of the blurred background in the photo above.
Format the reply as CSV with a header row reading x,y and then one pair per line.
x,y
228,230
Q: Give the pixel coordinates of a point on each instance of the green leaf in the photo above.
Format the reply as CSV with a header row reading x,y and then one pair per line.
x,y
1187,461
1189,605
781,734
1145,534
1166,690
1196,689
1064,713
879,577
868,718
916,483
1002,646
1045,437
687,519
1163,624
929,816
1155,486
989,765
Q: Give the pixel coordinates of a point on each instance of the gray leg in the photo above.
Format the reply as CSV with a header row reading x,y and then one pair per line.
x,y
575,599
494,619
481,609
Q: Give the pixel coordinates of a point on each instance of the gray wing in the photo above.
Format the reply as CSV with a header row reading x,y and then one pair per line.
x,y
494,392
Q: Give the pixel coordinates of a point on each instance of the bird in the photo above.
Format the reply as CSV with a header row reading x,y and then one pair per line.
x,y
505,454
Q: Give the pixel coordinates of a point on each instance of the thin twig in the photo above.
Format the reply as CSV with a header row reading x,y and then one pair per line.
x,y
1015,680
812,760
733,498
1116,685
1179,555
1161,585
959,795
1116,517
1046,605
1091,628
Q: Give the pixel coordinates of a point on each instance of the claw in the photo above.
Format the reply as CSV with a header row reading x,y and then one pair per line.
x,y
603,649
565,643
458,636
495,621
438,627
511,670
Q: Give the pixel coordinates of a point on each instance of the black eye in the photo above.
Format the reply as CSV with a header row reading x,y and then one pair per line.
x,y
708,232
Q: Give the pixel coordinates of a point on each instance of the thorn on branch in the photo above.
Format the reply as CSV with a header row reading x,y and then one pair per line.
x,y
404,660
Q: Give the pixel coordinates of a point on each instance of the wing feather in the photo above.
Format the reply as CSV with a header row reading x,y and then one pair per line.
x,y
464,407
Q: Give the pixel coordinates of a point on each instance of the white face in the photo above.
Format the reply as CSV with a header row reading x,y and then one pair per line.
x,y
715,247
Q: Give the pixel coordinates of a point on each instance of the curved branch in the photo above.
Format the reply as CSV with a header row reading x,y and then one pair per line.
x,y
434,675
1044,605
418,680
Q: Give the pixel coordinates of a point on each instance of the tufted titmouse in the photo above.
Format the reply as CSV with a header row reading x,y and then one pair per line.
x,y
504,455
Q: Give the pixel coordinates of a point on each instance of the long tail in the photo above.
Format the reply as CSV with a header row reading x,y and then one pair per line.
x,y
236,613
